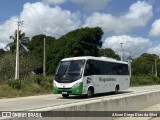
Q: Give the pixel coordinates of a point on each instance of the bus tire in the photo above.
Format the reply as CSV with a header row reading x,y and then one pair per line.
x,y
90,92
116,89
65,95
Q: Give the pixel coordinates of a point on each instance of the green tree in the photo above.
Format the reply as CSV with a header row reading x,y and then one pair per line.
x,y
80,42
23,41
1,52
7,65
144,65
28,63
36,45
108,52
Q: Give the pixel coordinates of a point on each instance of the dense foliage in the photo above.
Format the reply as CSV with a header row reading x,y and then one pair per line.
x,y
28,62
36,47
80,42
144,80
1,52
108,52
145,65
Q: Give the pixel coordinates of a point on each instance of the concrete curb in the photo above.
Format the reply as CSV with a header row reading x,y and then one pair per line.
x,y
130,102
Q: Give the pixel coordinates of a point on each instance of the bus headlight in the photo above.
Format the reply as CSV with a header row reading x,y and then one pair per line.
x,y
75,85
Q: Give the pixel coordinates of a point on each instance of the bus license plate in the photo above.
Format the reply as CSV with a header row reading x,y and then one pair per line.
x,y
64,92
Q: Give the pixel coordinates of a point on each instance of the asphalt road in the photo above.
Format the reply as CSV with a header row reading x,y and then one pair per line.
x,y
52,100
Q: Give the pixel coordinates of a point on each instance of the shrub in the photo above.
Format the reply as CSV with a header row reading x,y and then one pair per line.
x,y
144,80
38,79
16,84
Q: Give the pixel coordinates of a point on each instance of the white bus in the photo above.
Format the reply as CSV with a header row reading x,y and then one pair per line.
x,y
90,75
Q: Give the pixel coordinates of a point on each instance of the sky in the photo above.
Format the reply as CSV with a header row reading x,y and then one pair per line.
x,y
135,23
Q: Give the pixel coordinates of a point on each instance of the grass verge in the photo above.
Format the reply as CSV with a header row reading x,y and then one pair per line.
x,y
144,80
37,85
29,86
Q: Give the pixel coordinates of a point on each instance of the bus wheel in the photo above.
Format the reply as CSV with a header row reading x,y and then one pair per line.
x,y
90,92
116,89
65,95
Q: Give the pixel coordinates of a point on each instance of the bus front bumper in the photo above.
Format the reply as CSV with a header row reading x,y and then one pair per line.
x,y
71,91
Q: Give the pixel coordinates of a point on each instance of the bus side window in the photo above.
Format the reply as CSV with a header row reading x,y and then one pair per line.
x,y
88,69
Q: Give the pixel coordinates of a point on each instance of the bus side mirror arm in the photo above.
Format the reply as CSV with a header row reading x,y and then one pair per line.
x,y
86,72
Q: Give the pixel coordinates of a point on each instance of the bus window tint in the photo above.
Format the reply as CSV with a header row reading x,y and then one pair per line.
x,y
63,67
76,66
105,68
89,68
69,71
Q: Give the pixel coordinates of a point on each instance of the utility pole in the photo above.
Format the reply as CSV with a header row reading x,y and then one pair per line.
x,y
17,52
121,51
44,58
155,67
129,61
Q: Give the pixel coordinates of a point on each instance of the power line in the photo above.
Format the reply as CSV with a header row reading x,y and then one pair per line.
x,y
89,43
35,28
28,26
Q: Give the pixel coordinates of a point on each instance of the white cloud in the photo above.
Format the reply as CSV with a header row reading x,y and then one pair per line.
x,y
155,30
154,50
6,30
53,20
138,16
54,2
38,18
135,45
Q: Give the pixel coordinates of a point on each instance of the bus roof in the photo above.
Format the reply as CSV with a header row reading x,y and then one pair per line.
x,y
94,58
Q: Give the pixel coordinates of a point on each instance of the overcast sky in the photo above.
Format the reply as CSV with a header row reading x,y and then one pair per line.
x,y
132,22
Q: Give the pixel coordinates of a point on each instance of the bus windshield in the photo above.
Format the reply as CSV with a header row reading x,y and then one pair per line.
x,y
69,71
